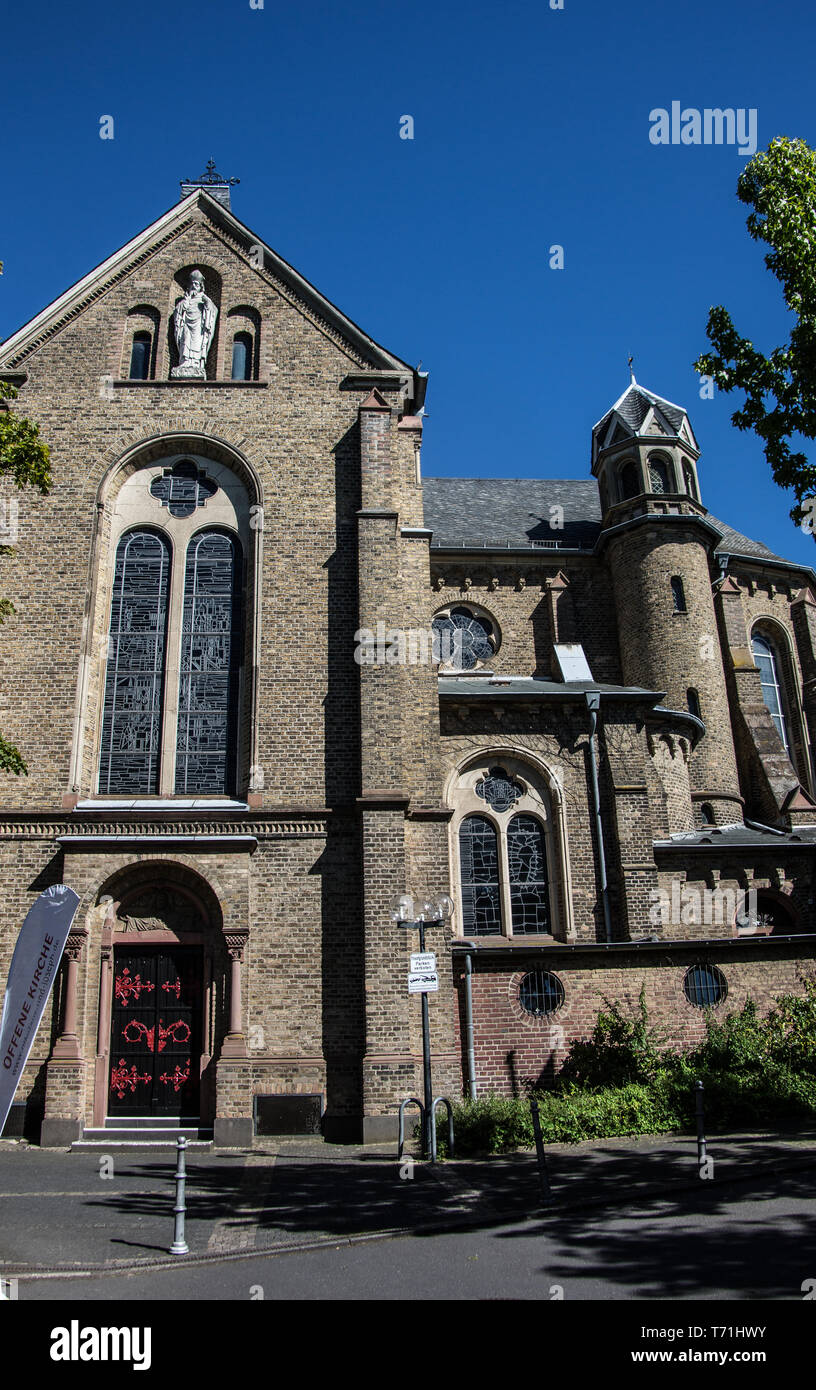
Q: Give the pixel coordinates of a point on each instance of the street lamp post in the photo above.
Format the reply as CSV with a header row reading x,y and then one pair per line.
x,y
429,912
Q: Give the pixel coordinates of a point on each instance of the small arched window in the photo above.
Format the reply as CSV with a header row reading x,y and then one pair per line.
x,y
140,355
688,480
242,355
678,594
659,476
693,702
630,480
766,659
707,813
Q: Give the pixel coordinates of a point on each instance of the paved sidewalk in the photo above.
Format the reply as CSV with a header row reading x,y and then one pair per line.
x,y
58,1210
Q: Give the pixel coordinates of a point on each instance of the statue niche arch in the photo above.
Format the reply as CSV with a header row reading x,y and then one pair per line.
x,y
164,998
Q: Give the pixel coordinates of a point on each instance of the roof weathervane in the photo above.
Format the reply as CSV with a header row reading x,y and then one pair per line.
x,y
633,381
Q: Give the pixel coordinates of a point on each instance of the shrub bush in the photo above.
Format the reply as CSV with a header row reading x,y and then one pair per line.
x,y
622,1081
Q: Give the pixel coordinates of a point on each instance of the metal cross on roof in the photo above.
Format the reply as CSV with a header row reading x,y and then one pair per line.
x,y
210,176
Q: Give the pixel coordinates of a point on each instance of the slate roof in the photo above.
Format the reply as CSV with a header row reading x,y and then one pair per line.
x,y
636,402
721,837
533,688
511,511
515,512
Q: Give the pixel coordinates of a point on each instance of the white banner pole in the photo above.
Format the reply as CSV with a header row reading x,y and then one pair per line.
x,y
33,971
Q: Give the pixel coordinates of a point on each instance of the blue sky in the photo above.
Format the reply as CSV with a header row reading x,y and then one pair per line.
x,y
531,129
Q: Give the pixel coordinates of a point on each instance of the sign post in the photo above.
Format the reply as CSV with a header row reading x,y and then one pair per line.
x,y
423,979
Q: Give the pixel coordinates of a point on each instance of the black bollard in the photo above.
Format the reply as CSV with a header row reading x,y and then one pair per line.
x,y
180,1246
543,1178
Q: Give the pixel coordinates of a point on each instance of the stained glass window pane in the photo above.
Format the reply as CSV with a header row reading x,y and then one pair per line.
x,y
131,726
182,488
499,790
464,638
479,861
527,864
205,748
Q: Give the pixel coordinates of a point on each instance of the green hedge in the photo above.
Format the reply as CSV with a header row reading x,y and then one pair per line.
x,y
623,1080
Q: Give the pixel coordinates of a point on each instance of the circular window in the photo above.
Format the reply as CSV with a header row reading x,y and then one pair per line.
x,y
465,639
705,986
541,993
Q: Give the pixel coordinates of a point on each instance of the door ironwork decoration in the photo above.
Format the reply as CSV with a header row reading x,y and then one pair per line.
x,y
156,1031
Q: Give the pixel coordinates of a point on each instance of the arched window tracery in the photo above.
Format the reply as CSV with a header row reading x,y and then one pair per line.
x,y
174,635
511,856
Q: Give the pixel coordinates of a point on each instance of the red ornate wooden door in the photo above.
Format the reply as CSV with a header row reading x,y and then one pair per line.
x,y
156,1032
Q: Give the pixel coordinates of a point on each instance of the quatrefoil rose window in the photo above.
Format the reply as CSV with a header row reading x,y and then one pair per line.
x,y
466,638
183,488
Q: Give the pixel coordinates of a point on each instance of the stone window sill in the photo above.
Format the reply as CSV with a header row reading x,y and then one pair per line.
x,y
195,383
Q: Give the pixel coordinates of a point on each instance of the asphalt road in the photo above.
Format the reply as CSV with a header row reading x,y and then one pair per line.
x,y
752,1241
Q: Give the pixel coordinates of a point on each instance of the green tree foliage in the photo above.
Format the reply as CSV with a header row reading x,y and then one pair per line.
x,y
25,460
779,184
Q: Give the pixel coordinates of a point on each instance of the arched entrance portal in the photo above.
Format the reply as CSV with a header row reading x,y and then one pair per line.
x,y
161,998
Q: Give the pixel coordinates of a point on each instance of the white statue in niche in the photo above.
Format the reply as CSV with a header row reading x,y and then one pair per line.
x,y
194,322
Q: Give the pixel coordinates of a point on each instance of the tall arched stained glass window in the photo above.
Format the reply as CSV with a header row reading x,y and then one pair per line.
x,y
765,658
131,728
527,868
210,657
479,863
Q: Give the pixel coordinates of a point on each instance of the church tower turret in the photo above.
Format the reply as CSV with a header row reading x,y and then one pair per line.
x,y
659,546
644,451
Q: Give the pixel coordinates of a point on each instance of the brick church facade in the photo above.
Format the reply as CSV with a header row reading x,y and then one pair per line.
x,y
240,752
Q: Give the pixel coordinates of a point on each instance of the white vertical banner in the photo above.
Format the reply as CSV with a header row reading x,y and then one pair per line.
x,y
33,971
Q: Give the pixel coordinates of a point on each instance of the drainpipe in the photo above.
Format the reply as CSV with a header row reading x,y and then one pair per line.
x,y
593,700
471,1054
